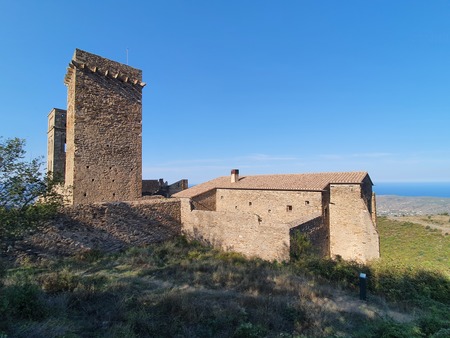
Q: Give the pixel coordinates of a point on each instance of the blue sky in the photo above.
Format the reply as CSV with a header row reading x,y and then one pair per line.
x,y
263,86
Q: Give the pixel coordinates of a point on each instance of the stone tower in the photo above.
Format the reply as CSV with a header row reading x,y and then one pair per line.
x,y
56,147
104,130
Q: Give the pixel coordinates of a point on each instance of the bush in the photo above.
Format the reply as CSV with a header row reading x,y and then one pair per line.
x,y
389,329
442,333
249,330
413,285
27,197
2,272
336,271
300,246
23,301
431,325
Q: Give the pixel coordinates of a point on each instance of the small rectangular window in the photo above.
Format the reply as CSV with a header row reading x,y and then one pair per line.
x,y
250,204
306,202
288,208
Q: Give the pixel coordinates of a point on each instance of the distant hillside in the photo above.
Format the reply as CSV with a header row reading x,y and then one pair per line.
x,y
391,205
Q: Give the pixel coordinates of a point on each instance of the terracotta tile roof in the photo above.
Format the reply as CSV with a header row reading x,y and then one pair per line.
x,y
303,182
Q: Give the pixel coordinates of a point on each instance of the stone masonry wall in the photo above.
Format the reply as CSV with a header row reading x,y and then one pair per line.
x,y
104,127
241,232
56,140
205,201
177,187
353,235
284,206
70,138
107,227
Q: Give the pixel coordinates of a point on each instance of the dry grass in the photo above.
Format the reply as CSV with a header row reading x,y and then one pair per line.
x,y
181,289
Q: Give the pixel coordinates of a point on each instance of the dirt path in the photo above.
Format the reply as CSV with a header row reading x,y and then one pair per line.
x,y
333,300
438,222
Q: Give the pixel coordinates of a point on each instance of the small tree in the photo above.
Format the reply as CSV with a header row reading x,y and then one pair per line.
x,y
301,246
28,197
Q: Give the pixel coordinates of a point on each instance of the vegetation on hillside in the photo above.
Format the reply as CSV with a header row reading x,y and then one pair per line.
x,y
28,197
406,244
181,289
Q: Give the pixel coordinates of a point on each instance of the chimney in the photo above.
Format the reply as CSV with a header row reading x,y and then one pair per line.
x,y
234,175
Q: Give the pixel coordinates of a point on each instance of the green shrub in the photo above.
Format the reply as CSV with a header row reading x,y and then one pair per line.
x,y
408,284
120,331
28,197
232,258
300,246
389,329
23,301
337,271
442,333
2,271
249,330
432,324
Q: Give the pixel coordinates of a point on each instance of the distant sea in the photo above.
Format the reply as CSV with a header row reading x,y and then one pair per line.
x,y
433,189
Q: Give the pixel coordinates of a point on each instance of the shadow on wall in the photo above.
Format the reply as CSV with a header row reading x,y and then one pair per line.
x,y
107,227
197,235
310,237
253,248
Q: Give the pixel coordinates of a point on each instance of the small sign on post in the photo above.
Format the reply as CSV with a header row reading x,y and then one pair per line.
x,y
362,286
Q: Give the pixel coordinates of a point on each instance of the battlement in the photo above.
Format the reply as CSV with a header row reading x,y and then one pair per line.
x,y
92,63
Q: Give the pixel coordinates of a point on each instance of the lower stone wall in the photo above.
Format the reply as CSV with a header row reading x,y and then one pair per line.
x,y
240,232
105,226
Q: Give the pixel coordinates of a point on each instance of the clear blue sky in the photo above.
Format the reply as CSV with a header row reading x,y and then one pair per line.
x,y
263,86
